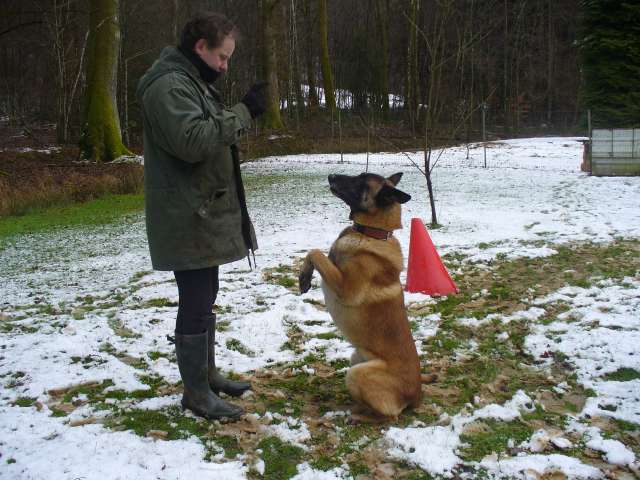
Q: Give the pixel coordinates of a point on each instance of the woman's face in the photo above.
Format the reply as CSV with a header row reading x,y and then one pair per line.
x,y
217,58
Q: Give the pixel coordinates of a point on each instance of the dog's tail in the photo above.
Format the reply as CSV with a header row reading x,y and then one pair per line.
x,y
428,377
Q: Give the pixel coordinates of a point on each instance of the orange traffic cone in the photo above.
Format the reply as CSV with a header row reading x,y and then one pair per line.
x,y
426,272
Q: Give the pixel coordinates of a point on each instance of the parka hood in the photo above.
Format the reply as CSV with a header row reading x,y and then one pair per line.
x,y
170,61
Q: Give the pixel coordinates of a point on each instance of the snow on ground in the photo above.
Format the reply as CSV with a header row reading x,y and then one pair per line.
x,y
599,335
533,191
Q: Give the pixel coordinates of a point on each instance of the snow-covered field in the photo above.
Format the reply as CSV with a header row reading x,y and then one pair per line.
x,y
73,298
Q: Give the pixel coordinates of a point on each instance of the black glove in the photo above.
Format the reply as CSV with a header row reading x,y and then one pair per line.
x,y
256,99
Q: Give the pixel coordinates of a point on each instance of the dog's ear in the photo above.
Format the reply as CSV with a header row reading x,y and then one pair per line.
x,y
387,195
395,178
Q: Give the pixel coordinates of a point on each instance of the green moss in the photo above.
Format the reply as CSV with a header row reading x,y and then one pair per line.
x,y
121,330
24,401
280,458
495,439
287,282
171,420
358,468
230,445
55,412
238,346
328,336
158,303
623,375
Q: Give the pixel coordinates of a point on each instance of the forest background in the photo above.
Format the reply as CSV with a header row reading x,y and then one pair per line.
x,y
394,72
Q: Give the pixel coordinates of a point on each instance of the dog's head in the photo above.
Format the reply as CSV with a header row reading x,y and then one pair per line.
x,y
367,192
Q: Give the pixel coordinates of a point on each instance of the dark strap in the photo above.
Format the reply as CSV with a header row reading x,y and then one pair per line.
x,y
376,233
246,221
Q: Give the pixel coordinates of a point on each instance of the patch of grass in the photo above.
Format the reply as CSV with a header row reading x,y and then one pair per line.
x,y
230,445
170,420
295,335
625,426
280,458
623,375
24,401
238,346
284,275
121,330
359,468
6,327
325,462
96,212
328,335
416,474
88,361
55,412
286,281
156,355
158,303
139,276
494,439
93,391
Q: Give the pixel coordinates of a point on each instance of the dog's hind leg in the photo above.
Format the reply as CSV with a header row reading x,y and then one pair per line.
x,y
372,385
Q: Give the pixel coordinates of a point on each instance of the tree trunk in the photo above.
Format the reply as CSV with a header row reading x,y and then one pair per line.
x,y
327,78
427,172
311,70
296,75
101,139
272,117
382,15
412,85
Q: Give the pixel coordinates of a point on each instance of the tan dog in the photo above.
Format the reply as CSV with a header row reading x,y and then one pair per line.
x,y
362,290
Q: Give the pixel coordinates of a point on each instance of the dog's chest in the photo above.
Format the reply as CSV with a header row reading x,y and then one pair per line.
x,y
330,300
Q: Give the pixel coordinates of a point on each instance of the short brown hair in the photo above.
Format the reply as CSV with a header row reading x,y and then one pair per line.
x,y
213,27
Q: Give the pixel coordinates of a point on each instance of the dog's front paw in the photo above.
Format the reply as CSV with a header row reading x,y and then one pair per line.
x,y
304,280
306,272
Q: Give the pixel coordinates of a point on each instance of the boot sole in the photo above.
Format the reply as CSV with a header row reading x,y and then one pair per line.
x,y
234,393
204,414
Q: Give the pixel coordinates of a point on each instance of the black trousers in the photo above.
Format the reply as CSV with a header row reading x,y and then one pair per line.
x,y
197,292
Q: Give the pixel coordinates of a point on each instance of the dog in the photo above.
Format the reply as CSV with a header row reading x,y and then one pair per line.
x,y
363,294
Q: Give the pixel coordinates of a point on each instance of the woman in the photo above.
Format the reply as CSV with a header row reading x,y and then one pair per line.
x,y
196,214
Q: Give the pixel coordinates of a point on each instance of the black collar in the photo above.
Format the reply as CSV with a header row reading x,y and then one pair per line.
x,y
377,233
208,74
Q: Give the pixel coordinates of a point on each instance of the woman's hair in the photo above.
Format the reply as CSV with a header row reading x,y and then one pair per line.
x,y
213,27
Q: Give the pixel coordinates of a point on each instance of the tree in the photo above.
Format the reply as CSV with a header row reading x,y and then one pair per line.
x,y
382,58
65,41
610,58
310,57
327,77
272,117
101,139
412,88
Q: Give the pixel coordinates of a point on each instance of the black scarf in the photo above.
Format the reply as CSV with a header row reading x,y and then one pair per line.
x,y
208,74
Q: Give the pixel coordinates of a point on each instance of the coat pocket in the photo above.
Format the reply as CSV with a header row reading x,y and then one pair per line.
x,y
217,201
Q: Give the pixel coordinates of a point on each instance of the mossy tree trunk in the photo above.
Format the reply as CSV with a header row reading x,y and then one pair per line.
x,y
101,139
325,64
272,117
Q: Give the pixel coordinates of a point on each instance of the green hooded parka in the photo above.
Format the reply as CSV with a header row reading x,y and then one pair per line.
x,y
196,214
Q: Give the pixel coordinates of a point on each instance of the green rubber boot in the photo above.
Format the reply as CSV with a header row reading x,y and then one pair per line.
x,y
217,382
192,353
